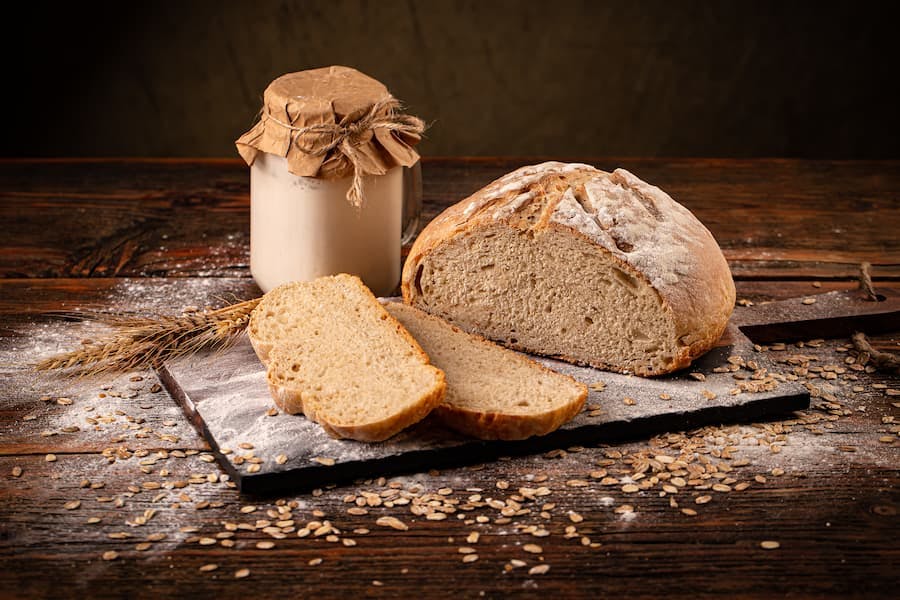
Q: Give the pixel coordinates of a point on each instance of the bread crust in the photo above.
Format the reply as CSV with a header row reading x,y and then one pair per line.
x,y
290,400
700,299
500,426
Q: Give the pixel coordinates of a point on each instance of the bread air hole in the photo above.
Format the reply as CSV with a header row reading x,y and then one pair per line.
x,y
639,336
418,279
625,278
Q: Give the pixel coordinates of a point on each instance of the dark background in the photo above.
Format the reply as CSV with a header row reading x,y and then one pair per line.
x,y
562,78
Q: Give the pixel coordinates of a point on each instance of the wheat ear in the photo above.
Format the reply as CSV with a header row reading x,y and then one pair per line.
x,y
140,343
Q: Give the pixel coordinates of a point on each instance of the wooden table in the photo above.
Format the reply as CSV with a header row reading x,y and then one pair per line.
x,y
155,236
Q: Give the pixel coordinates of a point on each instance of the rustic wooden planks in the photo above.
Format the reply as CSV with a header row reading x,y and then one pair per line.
x,y
834,510
774,218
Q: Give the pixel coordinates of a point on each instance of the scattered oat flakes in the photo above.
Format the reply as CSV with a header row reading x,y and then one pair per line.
x,y
50,458
769,545
72,504
265,545
392,522
538,569
328,462
281,459
17,471
208,567
110,555
469,558
241,573
315,562
532,548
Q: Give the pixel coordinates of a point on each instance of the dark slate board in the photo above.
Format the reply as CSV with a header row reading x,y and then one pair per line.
x,y
226,397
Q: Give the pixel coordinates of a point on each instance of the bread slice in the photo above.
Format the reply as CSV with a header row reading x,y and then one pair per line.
x,y
492,393
333,353
569,261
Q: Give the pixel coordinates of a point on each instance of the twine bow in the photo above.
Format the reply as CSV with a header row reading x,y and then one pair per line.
x,y
346,137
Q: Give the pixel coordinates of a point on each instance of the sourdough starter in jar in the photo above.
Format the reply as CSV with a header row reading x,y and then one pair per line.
x,y
303,227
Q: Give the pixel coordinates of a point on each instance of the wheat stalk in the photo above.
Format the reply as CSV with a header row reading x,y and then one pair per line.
x,y
140,343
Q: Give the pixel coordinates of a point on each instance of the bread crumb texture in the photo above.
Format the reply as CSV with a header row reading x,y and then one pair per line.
x,y
565,260
333,353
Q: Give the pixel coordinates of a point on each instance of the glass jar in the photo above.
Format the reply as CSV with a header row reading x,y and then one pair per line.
x,y
303,227
335,182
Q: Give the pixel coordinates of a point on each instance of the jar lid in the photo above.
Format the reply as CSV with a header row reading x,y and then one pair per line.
x,y
332,123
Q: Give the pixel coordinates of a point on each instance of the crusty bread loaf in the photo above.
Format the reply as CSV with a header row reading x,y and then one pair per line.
x,y
333,353
492,393
565,260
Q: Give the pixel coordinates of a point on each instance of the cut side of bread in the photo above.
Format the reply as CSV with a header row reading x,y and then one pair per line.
x,y
333,353
492,393
565,260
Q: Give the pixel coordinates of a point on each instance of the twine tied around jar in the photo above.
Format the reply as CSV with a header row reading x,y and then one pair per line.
x,y
346,137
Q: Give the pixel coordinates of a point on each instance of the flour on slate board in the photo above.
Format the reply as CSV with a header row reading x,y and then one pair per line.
x,y
229,391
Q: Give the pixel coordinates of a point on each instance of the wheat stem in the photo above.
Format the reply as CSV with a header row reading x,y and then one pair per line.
x,y
140,343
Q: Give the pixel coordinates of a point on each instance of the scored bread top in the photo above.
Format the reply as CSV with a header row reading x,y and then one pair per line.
x,y
334,353
492,392
643,228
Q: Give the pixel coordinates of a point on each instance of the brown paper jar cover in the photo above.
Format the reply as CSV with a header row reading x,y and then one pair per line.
x,y
340,99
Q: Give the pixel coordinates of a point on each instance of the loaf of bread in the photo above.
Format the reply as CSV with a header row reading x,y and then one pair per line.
x,y
492,393
565,260
333,353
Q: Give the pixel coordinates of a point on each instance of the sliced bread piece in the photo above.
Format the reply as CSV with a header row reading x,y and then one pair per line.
x,y
565,260
492,392
333,353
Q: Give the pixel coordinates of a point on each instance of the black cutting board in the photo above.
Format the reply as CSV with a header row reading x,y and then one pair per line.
x,y
226,397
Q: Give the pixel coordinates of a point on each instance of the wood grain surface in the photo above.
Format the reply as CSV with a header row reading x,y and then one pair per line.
x,y
155,236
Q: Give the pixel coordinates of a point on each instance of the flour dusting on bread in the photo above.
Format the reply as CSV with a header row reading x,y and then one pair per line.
x,y
567,260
